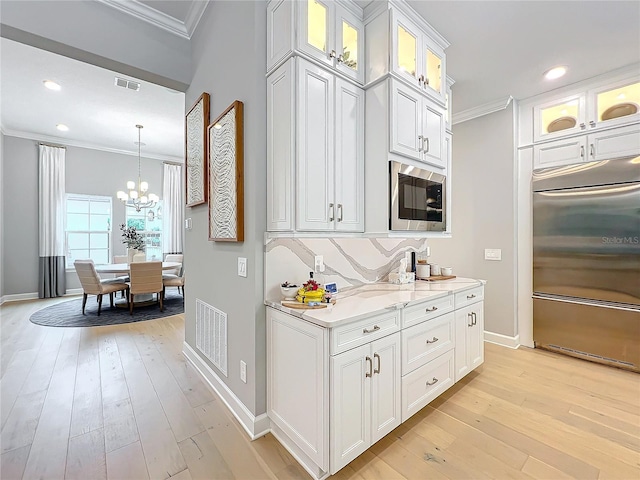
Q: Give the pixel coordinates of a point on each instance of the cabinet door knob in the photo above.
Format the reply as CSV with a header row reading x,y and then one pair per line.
x,y
582,126
331,213
369,373
433,340
433,381
374,329
420,143
582,151
377,369
592,150
339,212
420,79
340,59
592,124
432,309
332,54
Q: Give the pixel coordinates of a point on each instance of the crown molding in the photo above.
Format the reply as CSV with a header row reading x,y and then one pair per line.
x,y
153,16
92,146
481,110
194,15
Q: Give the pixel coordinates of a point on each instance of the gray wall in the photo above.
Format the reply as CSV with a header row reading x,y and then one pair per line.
x,y
95,33
229,58
1,214
91,172
484,214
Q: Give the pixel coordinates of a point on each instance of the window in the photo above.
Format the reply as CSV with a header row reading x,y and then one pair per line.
x,y
88,228
149,223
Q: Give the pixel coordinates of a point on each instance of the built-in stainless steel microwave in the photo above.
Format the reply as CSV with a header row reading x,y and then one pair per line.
x,y
417,200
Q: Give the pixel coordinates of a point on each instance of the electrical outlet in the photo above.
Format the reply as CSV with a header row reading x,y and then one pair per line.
x,y
318,263
242,267
188,224
428,252
493,254
243,371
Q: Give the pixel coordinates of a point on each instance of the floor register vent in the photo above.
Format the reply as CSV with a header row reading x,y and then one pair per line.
x,y
589,356
211,334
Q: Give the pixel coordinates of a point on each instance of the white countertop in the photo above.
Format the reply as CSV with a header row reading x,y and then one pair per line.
x,y
360,302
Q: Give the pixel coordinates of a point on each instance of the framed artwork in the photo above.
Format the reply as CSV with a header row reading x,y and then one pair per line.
x,y
226,172
196,122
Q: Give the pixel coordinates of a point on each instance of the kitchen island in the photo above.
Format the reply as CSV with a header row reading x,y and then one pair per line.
x,y
341,378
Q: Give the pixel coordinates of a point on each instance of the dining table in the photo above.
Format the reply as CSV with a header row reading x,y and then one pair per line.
x,y
123,269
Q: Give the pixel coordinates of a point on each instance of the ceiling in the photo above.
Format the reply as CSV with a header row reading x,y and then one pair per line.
x,y
98,113
498,49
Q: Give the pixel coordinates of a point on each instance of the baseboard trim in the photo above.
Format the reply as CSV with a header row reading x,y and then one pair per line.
x,y
504,340
255,427
16,297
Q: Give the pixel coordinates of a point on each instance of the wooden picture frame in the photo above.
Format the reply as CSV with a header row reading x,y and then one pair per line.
x,y
226,175
196,152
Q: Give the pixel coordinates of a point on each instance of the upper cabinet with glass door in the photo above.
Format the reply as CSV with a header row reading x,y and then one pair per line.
x,y
327,31
610,105
417,57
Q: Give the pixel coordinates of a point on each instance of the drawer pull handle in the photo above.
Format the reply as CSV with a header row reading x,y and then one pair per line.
x,y
377,369
368,374
375,327
433,381
433,340
469,297
432,309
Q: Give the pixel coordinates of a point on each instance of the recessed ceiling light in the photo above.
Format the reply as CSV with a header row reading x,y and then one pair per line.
x,y
62,127
555,72
51,85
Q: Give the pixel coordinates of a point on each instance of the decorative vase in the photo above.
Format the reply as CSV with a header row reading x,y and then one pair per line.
x,y
131,252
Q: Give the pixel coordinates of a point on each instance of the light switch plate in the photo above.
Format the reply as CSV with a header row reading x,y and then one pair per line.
x,y
243,371
318,263
493,254
242,267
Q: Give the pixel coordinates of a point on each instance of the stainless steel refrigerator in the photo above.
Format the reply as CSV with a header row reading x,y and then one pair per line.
x,y
586,261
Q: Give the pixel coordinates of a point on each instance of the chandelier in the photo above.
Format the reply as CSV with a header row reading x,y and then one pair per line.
x,y
138,197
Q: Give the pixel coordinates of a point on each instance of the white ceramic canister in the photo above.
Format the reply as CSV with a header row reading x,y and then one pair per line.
x,y
435,269
423,270
446,271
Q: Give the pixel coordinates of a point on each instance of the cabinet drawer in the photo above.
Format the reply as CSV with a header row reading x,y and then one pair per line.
x,y
426,383
426,310
363,331
470,296
426,341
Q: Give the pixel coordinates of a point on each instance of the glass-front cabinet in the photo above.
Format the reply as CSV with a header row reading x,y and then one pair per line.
x,y
417,58
614,104
606,106
559,117
330,33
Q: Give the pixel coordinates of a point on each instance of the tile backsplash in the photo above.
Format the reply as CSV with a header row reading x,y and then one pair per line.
x,y
350,262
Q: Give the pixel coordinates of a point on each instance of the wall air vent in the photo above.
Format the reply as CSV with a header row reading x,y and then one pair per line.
x,y
211,334
130,84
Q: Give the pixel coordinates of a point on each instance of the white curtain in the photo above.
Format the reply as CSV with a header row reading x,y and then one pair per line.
x,y
51,198
173,215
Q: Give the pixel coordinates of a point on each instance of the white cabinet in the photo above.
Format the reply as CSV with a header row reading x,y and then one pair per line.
x,y
329,32
597,146
612,104
417,126
315,150
469,352
365,399
416,57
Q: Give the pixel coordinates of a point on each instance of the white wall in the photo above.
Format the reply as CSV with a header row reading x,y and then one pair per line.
x,y
484,214
95,33
90,172
229,62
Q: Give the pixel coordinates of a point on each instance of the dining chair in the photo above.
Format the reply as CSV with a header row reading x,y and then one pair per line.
x,y
174,257
92,285
169,280
145,278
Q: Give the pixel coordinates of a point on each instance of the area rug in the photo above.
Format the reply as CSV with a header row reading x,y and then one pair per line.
x,y
69,314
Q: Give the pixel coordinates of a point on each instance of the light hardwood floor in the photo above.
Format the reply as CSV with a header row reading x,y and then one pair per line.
x,y
121,402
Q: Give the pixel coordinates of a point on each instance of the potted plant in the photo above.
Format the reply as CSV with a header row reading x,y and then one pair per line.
x,y
133,240
288,290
